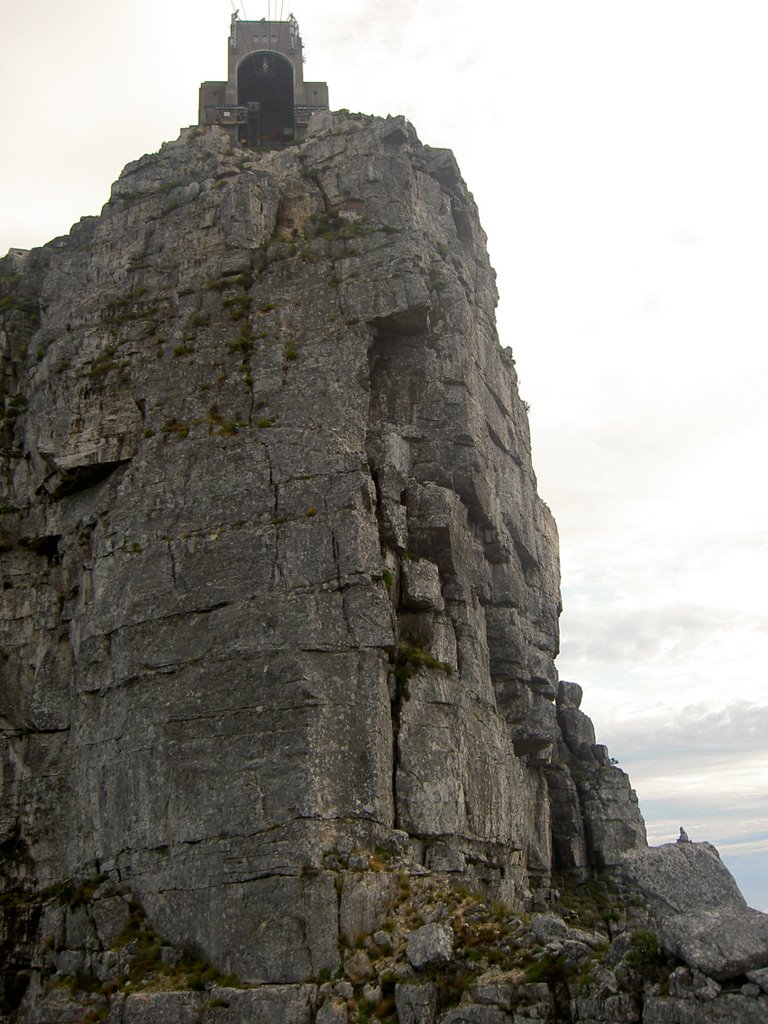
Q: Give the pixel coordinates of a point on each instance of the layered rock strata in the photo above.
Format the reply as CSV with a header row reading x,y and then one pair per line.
x,y
280,599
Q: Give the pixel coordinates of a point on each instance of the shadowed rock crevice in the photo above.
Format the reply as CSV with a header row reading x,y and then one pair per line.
x,y
78,478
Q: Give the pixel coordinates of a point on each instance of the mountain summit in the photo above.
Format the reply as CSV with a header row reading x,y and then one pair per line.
x,y
282,733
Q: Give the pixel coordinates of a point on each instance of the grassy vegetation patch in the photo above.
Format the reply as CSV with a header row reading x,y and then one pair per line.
x,y
410,659
176,428
243,344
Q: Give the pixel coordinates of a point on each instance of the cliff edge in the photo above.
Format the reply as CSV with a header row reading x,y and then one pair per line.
x,y
279,622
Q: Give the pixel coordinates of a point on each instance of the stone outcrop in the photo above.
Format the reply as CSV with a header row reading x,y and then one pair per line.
x,y
681,877
279,614
702,917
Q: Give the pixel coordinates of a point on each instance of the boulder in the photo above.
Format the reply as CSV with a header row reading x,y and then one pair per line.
x,y
476,1015
421,585
430,946
729,1008
722,944
759,977
547,927
569,695
703,919
680,877
416,1003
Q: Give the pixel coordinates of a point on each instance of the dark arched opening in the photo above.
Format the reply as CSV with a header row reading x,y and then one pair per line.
x,y
265,87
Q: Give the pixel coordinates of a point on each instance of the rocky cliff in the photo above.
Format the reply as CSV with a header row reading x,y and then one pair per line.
x,y
279,622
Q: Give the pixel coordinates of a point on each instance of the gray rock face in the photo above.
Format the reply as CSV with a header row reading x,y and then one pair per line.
x,y
577,731
263,1006
612,820
366,898
595,814
278,589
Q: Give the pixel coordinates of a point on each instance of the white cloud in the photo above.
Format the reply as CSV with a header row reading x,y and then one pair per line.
x,y
604,632
702,730
742,841
744,849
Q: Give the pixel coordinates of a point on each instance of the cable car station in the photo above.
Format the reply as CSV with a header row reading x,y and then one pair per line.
x,y
265,100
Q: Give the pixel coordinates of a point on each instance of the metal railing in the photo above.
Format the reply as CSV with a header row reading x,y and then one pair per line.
x,y
226,115
303,113
239,115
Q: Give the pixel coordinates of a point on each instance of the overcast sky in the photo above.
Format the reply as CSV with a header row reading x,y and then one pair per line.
x,y
618,154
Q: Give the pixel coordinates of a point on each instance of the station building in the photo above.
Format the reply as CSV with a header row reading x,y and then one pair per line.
x,y
265,100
